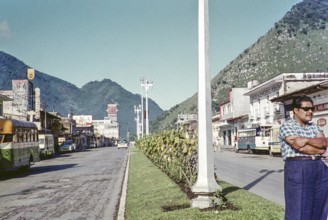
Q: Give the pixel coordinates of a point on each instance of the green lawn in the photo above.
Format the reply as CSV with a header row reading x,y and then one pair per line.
x,y
149,190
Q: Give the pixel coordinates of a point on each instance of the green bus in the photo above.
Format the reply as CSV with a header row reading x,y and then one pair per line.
x,y
19,146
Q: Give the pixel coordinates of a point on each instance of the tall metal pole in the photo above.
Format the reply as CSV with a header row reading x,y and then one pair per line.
x,y
45,117
206,183
148,85
142,108
137,111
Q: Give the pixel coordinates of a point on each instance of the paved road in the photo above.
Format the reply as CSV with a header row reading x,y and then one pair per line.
x,y
80,185
260,174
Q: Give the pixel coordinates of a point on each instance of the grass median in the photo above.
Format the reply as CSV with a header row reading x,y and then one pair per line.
x,y
153,195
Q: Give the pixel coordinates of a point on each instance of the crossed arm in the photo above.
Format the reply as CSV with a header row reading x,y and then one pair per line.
x,y
315,145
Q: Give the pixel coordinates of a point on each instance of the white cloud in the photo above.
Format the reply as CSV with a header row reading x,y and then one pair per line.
x,y
4,29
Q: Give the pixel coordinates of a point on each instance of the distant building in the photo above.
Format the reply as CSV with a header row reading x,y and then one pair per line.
x,y
112,110
189,120
109,127
21,101
2,99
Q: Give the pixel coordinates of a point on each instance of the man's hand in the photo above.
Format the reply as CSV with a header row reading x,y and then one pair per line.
x,y
299,142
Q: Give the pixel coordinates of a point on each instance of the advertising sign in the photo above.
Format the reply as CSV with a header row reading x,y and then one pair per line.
x,y
30,74
321,122
83,120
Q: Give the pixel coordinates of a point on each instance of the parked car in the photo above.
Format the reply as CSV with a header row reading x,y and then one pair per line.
x,y
68,145
93,144
122,144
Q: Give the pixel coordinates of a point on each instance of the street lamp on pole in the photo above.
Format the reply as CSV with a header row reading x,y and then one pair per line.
x,y
142,80
147,85
137,110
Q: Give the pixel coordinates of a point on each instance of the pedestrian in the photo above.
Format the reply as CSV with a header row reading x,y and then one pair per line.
x,y
306,175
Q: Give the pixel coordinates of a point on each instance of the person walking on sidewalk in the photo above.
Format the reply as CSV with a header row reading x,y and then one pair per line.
x,y
306,175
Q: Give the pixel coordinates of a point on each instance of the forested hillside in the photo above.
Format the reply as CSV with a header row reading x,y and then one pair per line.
x,y
296,43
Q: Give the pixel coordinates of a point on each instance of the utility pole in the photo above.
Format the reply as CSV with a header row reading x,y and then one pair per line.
x,y
206,184
45,116
147,85
137,110
142,80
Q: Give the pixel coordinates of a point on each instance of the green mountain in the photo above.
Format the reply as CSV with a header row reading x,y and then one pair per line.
x,y
92,99
296,43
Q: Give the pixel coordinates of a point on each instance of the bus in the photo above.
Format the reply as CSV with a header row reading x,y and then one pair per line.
x,y
19,145
274,142
253,139
46,145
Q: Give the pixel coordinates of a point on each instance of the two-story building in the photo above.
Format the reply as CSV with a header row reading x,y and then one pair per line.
x,y
265,112
233,115
319,94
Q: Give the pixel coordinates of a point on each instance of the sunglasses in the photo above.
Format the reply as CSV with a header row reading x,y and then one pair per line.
x,y
307,108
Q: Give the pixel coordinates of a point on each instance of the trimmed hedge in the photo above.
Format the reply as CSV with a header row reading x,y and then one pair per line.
x,y
175,152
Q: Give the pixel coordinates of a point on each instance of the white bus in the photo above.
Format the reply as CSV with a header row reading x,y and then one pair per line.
x,y
253,139
46,145
19,145
274,142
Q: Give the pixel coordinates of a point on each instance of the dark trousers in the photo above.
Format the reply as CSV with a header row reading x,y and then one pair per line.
x,y
306,190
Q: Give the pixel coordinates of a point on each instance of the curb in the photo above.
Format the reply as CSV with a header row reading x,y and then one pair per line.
x,y
121,209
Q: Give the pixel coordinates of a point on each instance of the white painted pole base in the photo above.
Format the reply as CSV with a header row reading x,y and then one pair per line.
x,y
203,202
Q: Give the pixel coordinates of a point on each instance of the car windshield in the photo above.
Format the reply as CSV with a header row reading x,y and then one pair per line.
x,y
67,142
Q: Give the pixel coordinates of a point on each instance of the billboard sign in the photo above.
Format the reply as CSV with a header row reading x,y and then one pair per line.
x,y
83,120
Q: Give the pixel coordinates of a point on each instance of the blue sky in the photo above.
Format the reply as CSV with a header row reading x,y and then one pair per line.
x,y
123,40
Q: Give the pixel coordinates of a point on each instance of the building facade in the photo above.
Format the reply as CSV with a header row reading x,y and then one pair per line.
x,y
319,94
233,114
22,100
108,129
263,111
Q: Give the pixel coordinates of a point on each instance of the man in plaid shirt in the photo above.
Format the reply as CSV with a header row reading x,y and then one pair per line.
x,y
306,175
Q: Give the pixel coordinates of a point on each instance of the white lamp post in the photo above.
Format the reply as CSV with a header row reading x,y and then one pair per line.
x,y
206,183
147,85
137,111
142,80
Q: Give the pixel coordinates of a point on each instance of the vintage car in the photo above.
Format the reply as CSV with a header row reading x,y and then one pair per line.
x,y
67,146
122,144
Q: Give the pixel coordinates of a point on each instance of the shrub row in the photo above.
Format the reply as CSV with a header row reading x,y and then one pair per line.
x,y
174,152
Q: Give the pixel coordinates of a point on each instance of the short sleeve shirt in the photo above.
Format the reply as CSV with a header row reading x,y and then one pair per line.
x,y
293,128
